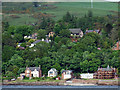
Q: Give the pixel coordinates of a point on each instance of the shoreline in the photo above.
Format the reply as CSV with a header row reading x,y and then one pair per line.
x,y
75,82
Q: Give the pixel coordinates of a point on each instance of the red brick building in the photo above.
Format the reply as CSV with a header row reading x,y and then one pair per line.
x,y
105,73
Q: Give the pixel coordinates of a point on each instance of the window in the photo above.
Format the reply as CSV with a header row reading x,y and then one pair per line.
x,y
67,73
27,75
51,72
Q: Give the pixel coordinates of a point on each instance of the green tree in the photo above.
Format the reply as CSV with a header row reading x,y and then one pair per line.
x,y
57,28
90,14
57,66
67,17
65,33
7,53
18,37
17,60
41,34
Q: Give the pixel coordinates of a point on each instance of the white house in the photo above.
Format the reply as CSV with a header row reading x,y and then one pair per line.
x,y
52,72
67,74
86,75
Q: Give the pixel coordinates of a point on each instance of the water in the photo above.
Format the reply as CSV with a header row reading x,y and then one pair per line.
x,y
22,86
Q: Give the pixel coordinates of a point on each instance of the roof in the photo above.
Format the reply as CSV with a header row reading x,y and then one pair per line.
x,y
66,70
75,30
47,41
88,31
106,69
33,68
53,69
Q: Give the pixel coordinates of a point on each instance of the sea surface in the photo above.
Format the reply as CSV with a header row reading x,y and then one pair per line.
x,y
22,86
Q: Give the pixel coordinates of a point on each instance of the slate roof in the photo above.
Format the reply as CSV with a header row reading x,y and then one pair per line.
x,y
33,68
88,31
53,69
66,70
106,69
36,41
47,41
75,30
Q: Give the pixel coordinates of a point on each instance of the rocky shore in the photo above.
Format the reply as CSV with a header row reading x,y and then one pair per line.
x,y
74,82
34,83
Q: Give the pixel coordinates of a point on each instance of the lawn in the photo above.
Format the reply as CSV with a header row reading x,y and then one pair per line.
x,y
76,8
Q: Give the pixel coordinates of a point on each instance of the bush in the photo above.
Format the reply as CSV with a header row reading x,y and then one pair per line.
x,y
7,78
42,78
31,40
26,78
54,78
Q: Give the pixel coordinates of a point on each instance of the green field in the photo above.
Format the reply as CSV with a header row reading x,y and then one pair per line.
x,y
76,8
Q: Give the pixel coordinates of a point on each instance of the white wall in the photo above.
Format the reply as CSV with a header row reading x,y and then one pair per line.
x,y
52,75
67,76
35,73
86,76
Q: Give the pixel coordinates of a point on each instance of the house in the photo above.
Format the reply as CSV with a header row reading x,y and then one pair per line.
x,y
51,34
33,36
37,41
96,31
86,76
117,46
76,33
33,72
105,73
52,72
67,74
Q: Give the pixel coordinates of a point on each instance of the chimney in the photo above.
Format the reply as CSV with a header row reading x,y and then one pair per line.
x,y
40,66
118,45
40,72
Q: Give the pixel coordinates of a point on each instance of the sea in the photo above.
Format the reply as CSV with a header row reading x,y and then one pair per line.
x,y
23,86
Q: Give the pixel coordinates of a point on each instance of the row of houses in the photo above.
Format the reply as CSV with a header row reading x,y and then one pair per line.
x,y
76,33
37,72
101,73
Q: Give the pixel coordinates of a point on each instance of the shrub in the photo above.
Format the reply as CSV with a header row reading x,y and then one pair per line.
x,y
26,78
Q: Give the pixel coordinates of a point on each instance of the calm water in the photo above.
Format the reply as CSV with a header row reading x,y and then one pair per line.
x,y
21,86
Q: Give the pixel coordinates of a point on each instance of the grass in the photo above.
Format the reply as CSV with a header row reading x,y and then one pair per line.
x,y
35,80
78,9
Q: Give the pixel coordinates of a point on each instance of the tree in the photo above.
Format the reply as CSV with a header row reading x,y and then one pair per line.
x,y
18,37
7,39
7,53
108,28
23,30
90,14
57,28
43,23
67,17
21,70
114,35
17,60
5,26
41,34
41,49
65,33
57,66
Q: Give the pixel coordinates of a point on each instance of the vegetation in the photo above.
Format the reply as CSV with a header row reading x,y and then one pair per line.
x,y
29,13
61,53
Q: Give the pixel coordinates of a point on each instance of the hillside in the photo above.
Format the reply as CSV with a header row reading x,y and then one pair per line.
x,y
22,13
